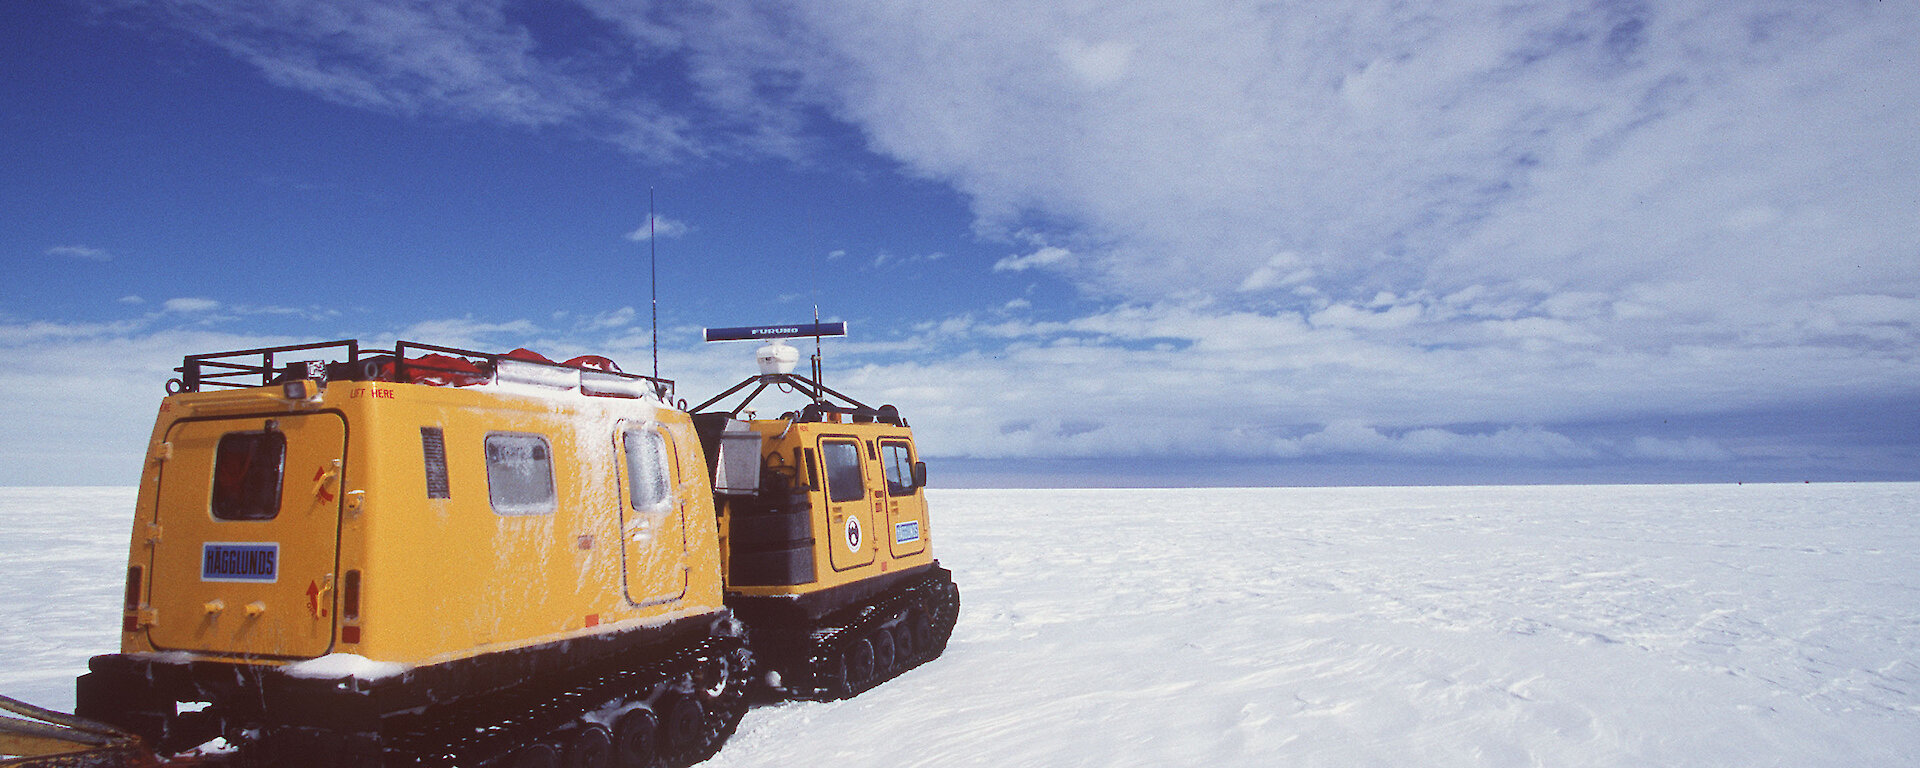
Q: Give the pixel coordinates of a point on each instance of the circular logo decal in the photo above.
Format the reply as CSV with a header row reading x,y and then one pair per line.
x,y
853,533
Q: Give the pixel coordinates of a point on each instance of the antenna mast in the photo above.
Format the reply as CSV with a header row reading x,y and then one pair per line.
x,y
818,385
653,266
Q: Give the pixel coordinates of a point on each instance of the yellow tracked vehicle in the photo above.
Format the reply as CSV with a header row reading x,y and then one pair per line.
x,y
422,556
823,518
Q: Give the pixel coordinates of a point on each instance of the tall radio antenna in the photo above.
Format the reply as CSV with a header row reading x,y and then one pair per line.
x,y
653,267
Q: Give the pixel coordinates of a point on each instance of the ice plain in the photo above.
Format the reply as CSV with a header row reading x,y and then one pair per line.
x,y
1677,625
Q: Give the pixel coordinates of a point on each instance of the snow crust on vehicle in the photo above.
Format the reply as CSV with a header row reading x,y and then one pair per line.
x,y
341,665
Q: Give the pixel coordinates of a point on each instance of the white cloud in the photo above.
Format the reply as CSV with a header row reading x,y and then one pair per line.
x,y
1382,219
619,318
1097,65
190,305
1687,449
1403,146
1284,269
469,332
1049,256
1509,443
661,227
80,252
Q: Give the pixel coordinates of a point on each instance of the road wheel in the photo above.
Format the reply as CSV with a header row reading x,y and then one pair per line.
x,y
859,663
591,747
686,725
883,656
536,756
636,740
903,645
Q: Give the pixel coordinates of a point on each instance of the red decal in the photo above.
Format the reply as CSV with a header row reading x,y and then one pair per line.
x,y
313,598
593,619
318,475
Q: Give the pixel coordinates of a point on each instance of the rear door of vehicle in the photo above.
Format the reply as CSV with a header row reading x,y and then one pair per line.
x,y
247,530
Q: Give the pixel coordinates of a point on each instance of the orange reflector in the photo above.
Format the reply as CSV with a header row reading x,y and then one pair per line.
x,y
593,619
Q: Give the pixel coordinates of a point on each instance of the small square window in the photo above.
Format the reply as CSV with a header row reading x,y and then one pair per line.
x,y
247,468
519,474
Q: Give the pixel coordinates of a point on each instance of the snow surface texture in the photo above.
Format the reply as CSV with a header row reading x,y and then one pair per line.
x,y
1758,625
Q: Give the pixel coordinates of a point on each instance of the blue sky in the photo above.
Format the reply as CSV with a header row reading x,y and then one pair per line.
x,y
1152,242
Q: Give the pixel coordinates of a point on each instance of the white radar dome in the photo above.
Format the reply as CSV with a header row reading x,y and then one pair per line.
x,y
776,357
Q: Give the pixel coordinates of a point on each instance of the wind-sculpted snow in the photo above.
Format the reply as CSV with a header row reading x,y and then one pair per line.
x,y
1514,626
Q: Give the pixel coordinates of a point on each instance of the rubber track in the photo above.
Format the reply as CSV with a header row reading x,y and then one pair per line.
x,y
937,595
475,733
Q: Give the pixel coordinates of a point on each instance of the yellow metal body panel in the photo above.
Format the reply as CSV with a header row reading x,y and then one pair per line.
x,y
882,530
437,578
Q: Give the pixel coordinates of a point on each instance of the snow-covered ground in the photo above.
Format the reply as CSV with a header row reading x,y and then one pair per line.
x,y
1757,625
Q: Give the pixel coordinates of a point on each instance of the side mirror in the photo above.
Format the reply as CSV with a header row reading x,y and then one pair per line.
x,y
919,474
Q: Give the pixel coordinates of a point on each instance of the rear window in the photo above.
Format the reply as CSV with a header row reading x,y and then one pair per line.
x,y
519,474
898,459
843,471
247,468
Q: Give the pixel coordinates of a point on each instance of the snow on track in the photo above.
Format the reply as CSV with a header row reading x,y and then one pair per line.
x,y
1623,626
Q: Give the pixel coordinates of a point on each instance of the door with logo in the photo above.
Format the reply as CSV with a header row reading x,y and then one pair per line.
x,y
653,525
906,505
850,504
245,535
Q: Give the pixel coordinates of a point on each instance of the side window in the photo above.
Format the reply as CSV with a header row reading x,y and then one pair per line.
x,y
519,474
843,470
898,459
433,452
247,467
647,468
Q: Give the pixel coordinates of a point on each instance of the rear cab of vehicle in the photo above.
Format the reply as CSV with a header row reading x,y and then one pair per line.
x,y
345,540
846,505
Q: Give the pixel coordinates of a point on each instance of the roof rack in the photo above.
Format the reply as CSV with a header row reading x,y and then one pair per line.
x,y
408,362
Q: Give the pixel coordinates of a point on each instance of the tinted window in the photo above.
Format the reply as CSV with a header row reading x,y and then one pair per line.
x,y
843,471
246,475
519,474
898,459
647,469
